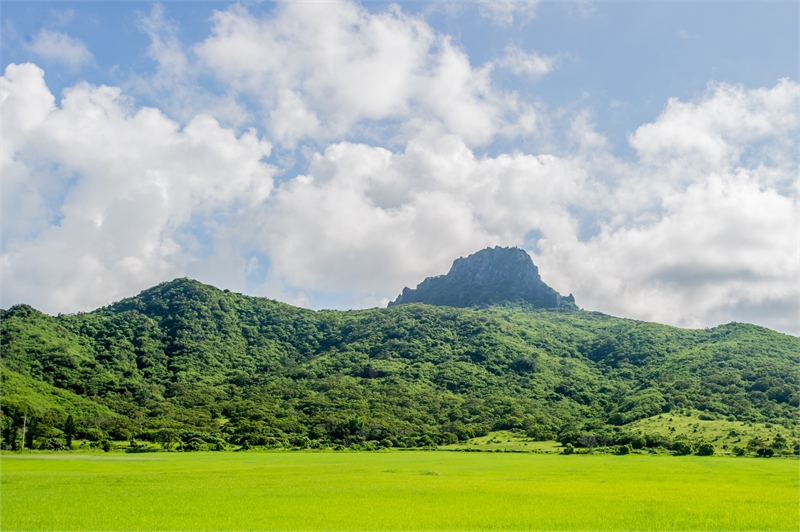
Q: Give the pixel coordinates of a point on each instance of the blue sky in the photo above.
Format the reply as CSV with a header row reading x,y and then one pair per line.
x,y
329,153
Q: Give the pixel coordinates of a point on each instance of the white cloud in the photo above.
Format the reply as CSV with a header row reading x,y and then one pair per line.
x,y
174,84
503,12
520,62
715,131
57,46
321,73
721,243
381,220
135,189
721,240
102,197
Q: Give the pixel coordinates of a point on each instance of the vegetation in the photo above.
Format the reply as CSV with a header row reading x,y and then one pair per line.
x,y
184,365
394,490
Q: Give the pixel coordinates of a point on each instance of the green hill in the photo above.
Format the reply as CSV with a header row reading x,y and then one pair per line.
x,y
201,364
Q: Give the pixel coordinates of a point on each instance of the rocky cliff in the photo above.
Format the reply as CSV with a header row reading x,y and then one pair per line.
x,y
488,277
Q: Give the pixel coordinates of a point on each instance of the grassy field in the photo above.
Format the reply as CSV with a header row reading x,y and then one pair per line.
x,y
722,433
395,491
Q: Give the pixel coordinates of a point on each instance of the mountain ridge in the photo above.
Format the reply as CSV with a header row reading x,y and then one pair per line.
x,y
225,367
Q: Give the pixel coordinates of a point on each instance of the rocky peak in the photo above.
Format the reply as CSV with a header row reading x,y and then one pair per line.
x,y
488,277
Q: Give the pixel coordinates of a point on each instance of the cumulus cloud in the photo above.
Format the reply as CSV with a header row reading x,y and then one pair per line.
x,y
715,131
687,251
381,219
60,47
102,197
320,73
130,182
705,224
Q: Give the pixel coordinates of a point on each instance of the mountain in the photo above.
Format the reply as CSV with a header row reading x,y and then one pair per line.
x,y
489,277
188,361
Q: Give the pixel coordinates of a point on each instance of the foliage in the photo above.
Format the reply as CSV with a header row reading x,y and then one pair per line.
x,y
705,449
198,362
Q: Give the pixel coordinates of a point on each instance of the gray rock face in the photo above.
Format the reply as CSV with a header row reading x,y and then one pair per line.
x,y
488,277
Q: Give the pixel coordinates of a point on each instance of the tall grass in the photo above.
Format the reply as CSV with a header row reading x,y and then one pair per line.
x,y
396,491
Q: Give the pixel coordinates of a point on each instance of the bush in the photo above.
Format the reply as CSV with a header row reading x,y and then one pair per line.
x,y
92,434
56,444
682,447
616,419
765,452
625,449
739,451
705,449
298,440
105,445
637,442
568,449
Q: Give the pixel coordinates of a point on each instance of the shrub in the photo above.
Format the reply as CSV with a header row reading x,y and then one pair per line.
x,y
568,449
624,449
616,419
705,449
682,447
300,441
739,451
765,452
105,445
92,434
637,442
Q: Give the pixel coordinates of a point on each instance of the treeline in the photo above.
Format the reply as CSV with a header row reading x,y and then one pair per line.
x,y
227,369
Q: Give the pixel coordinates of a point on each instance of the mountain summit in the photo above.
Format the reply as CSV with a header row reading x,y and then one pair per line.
x,y
488,277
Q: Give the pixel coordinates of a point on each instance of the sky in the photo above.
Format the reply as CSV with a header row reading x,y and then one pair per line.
x,y
328,153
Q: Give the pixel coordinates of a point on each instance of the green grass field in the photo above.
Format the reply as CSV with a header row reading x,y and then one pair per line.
x,y
395,491
723,434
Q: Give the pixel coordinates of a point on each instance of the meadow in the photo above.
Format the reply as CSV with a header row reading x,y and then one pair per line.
x,y
395,490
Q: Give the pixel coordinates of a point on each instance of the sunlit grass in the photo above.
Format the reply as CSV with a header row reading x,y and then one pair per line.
x,y
396,491
723,434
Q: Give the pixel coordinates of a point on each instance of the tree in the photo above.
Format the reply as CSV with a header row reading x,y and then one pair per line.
x,y
70,430
705,449
682,447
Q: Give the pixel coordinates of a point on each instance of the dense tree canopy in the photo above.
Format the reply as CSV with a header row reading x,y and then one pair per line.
x,y
185,360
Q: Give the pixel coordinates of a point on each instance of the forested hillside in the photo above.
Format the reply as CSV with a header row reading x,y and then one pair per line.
x,y
186,361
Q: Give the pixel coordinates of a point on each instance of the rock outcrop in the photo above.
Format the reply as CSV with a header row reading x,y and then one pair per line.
x,y
489,277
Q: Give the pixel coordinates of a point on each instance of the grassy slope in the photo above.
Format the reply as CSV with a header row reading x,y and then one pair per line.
x,y
723,434
45,399
396,491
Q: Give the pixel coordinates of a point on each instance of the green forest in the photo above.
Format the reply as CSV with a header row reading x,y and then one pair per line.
x,y
191,367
